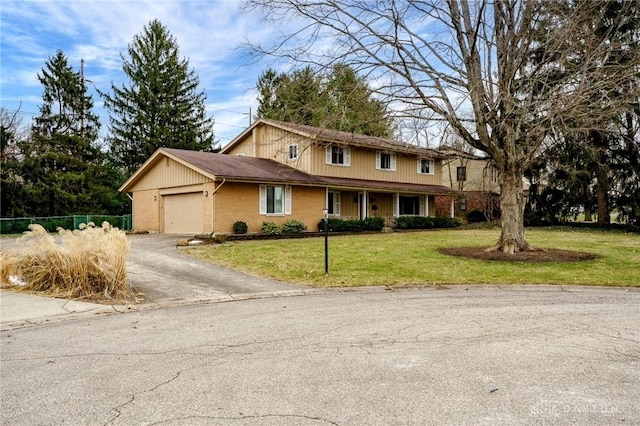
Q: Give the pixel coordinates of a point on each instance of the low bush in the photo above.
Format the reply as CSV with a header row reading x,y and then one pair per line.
x,y
414,222
446,222
373,224
240,227
474,216
293,226
270,228
353,225
426,222
89,263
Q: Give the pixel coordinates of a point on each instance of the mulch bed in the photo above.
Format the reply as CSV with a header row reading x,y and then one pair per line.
x,y
546,255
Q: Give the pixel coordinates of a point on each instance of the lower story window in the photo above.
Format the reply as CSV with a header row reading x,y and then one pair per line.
x,y
463,204
275,199
409,206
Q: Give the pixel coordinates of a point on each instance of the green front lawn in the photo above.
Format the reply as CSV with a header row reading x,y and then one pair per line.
x,y
411,258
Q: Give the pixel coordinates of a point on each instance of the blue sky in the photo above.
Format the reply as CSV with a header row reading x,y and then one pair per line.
x,y
209,33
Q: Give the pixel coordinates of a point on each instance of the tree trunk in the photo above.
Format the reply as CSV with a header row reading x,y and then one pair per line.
x,y
512,202
587,214
586,196
602,190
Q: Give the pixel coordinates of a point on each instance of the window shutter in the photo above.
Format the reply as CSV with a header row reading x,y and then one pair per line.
x,y
422,199
378,159
263,199
419,163
287,200
347,156
327,154
396,205
393,162
336,203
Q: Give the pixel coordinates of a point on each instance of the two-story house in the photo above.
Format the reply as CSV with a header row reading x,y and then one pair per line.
x,y
275,171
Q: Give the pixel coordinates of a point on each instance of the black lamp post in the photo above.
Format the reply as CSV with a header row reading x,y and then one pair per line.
x,y
325,213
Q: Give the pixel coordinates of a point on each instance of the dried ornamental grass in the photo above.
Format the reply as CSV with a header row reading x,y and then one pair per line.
x,y
87,263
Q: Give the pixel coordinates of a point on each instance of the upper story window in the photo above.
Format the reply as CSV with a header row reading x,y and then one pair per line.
x,y
461,174
337,155
293,152
425,166
385,161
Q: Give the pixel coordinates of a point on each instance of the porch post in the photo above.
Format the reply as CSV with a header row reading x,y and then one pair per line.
x,y
365,205
326,197
453,207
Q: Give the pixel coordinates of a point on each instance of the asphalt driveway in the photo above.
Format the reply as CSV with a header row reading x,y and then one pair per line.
x,y
157,268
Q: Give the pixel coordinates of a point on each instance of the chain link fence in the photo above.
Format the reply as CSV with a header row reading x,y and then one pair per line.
x,y
18,225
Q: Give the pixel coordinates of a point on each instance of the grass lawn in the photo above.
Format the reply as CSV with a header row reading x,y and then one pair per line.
x,y
411,258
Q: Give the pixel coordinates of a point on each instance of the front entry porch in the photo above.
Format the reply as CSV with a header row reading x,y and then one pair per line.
x,y
351,204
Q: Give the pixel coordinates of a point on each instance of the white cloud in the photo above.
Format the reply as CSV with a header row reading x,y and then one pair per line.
x,y
208,32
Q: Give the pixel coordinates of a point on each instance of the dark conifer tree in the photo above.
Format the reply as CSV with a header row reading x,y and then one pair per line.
x,y
338,99
61,154
160,106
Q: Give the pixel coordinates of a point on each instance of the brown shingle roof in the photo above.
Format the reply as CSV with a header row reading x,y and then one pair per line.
x,y
377,185
262,169
265,170
354,139
246,168
323,135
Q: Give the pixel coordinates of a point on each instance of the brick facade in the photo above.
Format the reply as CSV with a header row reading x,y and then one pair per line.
x,y
235,201
475,200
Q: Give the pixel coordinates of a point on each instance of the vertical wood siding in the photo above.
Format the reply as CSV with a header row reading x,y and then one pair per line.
x,y
167,173
480,175
363,166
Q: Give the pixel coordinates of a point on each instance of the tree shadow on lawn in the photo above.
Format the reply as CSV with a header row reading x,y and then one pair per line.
x,y
536,256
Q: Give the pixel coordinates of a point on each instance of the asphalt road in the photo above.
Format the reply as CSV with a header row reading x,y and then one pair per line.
x,y
458,355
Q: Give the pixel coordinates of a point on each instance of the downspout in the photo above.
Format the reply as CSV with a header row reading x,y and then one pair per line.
x,y
213,200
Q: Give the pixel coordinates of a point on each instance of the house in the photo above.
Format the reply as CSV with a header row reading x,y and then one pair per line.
x,y
475,176
275,171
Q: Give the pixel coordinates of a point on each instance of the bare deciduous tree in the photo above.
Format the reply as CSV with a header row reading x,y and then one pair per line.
x,y
499,72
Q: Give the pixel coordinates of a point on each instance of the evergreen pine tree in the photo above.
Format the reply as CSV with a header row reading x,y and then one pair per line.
x,y
352,107
161,106
61,154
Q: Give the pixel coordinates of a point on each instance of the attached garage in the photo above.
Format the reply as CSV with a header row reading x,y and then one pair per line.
x,y
200,193
183,213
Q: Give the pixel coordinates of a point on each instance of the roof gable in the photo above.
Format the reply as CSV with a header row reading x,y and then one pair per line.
x,y
251,169
221,166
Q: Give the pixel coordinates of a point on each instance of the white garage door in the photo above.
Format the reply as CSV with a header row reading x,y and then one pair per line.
x,y
183,213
